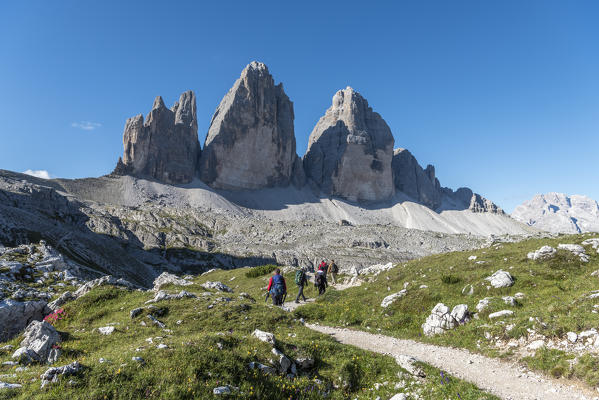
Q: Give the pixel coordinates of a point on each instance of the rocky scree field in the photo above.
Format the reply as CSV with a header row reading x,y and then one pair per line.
x,y
207,336
535,302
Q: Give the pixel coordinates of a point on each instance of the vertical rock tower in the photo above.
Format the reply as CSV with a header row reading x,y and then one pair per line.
x,y
350,150
251,140
164,147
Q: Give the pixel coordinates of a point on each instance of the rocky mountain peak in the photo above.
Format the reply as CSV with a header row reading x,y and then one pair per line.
x,y
158,103
350,150
559,213
165,146
251,139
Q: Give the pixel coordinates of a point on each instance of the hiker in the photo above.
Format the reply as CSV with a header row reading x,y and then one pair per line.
x,y
300,280
320,280
333,270
277,288
322,266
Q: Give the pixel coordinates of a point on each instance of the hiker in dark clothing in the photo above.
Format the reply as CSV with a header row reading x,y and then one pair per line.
x,y
277,288
320,280
300,280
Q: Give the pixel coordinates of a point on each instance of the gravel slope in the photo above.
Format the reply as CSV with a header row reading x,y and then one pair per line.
x,y
500,378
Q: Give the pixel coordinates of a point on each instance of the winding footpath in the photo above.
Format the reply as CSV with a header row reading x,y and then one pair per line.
x,y
505,380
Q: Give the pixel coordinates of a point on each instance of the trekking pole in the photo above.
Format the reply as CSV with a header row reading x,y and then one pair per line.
x,y
266,298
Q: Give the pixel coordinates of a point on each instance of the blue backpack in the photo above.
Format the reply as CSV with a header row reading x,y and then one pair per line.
x,y
278,287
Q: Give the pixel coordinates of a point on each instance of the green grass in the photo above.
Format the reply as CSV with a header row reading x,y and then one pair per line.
x,y
260,271
555,297
210,347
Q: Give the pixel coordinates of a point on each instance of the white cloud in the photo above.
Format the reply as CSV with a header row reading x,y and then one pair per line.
x,y
86,125
38,173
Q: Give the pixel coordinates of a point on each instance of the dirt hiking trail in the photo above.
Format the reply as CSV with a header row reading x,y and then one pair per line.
x,y
505,380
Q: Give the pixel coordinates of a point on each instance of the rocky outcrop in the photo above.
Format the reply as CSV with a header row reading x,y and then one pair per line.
x,y
251,140
16,315
39,344
165,146
423,186
410,178
559,213
350,151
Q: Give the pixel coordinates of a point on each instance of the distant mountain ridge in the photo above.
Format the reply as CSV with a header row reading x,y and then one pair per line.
x,y
559,213
251,146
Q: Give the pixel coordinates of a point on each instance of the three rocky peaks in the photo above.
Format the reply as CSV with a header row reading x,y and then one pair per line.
x,y
251,145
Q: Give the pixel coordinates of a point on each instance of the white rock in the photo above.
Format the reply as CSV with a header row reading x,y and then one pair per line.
x,y
217,285
472,258
387,301
439,321
483,304
461,314
399,396
543,253
575,249
106,330
500,279
509,300
572,337
535,345
4,385
264,336
501,314
169,279
409,364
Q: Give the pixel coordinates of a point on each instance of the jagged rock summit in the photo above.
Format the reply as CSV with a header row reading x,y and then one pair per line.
x,y
423,186
164,147
350,150
251,140
559,213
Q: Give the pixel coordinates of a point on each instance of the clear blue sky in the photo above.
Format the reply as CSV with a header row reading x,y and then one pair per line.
x,y
501,96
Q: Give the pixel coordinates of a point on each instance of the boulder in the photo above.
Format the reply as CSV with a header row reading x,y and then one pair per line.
x,y
350,151
169,279
251,140
62,300
216,286
543,253
39,343
281,361
16,315
500,279
106,330
165,146
263,368
575,249
53,374
264,336
501,314
105,280
387,301
593,242
441,319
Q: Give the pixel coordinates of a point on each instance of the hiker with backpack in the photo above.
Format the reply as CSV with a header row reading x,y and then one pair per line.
x,y
277,288
300,280
320,280
333,270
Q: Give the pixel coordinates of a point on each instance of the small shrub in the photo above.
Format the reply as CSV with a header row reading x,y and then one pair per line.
x,y
350,375
260,271
450,279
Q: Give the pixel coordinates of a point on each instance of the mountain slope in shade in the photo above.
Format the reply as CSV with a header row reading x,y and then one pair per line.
x,y
559,213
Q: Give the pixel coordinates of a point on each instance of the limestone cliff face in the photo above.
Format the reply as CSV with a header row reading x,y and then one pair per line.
x,y
423,186
350,151
410,178
251,140
165,146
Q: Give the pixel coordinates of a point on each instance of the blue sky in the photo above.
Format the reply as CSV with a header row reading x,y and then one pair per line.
x,y
502,97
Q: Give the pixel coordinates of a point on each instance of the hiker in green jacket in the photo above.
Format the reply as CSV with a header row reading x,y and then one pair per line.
x,y
300,280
